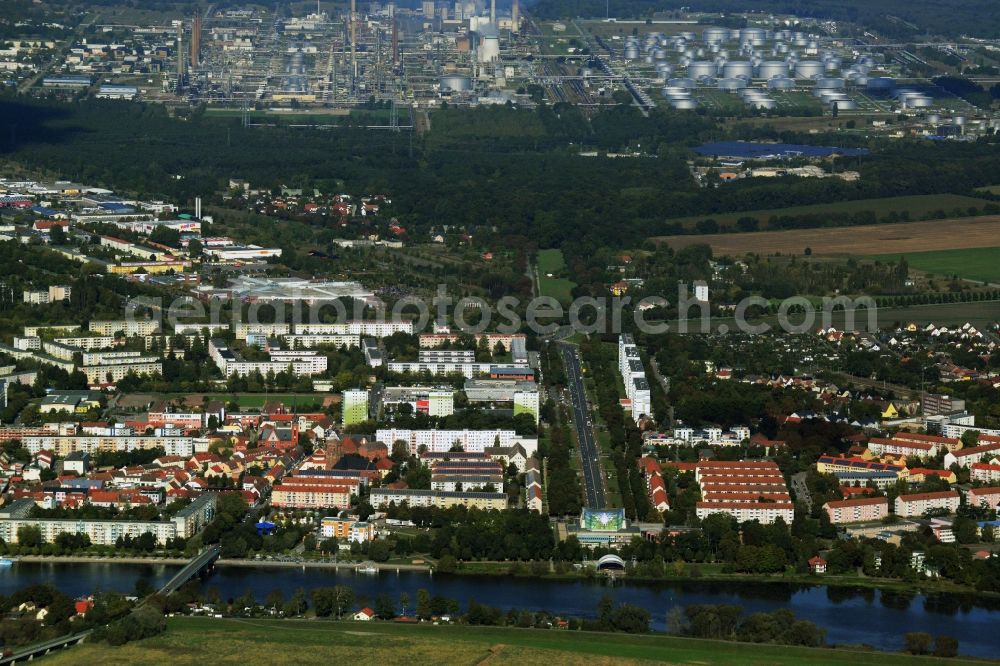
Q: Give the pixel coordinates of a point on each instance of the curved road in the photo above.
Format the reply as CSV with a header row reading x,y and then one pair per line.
x,y
590,453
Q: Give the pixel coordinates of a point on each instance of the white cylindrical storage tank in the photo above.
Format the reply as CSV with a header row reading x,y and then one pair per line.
x,y
731,84
455,83
684,104
780,83
920,102
830,83
808,69
763,103
676,91
715,35
845,105
881,85
682,83
735,68
934,118
831,64
690,36
772,68
701,68
631,52
660,54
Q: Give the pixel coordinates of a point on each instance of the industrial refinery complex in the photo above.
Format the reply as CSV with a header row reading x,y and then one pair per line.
x,y
324,63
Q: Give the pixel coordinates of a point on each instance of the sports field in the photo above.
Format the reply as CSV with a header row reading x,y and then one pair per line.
x,y
558,287
905,237
981,264
917,206
198,641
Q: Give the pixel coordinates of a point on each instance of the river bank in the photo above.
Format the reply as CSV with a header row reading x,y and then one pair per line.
x,y
850,615
503,570
194,641
222,562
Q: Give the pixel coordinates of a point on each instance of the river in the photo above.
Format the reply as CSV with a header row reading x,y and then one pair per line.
x,y
850,616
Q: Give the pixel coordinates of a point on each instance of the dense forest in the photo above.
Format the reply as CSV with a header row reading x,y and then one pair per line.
x,y
533,184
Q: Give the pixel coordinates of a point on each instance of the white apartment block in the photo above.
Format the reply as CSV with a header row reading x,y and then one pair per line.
x,y
51,295
526,402
197,328
111,373
381,497
303,363
446,356
241,331
442,441
87,342
369,328
909,506
101,532
25,343
115,357
315,340
634,377
880,446
467,370
130,328
63,445
765,514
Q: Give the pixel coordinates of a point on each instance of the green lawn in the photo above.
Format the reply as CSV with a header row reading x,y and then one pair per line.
x,y
982,263
918,206
557,286
992,189
230,641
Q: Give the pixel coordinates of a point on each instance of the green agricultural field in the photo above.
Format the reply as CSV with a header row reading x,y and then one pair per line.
x,y
992,189
198,641
919,206
557,286
974,264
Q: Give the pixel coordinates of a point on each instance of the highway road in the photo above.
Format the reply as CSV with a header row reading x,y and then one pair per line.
x,y
593,476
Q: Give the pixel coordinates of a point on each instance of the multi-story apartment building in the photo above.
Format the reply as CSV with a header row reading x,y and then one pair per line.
x,y
909,506
746,490
101,374
857,510
634,377
382,497
131,328
988,498
475,441
328,339
63,445
355,406
368,328
303,363
879,446
318,496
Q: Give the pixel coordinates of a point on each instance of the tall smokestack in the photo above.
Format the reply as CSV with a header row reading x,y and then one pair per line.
x,y
395,41
515,18
493,12
354,39
195,40
180,55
